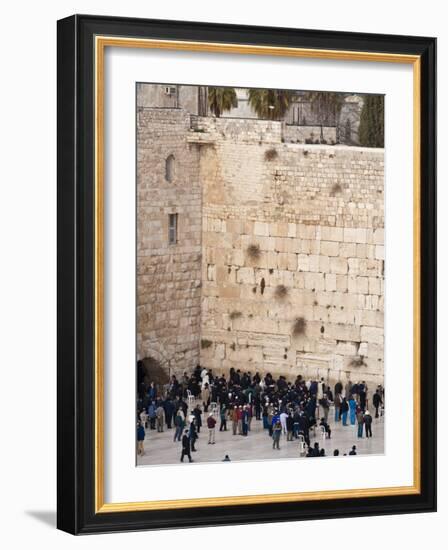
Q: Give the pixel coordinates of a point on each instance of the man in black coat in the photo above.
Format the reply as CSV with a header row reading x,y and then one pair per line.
x,y
377,401
368,424
185,447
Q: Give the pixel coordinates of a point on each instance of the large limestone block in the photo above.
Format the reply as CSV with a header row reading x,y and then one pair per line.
x,y
378,236
374,335
355,235
362,285
374,285
245,275
329,248
338,265
330,282
332,234
229,291
261,229
379,252
342,331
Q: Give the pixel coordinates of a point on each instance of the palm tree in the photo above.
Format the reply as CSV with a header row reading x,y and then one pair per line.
x,y
327,106
270,104
221,99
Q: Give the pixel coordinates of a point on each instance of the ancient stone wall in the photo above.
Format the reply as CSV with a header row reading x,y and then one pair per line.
x,y
292,253
168,275
286,241
299,134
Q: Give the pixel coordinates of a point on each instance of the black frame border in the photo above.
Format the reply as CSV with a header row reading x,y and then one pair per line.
x,y
76,261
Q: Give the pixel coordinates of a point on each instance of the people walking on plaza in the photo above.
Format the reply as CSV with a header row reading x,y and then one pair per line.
x,y
211,423
240,419
283,417
352,406
249,416
237,397
344,411
179,424
289,426
377,402
257,407
360,421
152,415
185,447
296,424
192,434
348,389
276,433
169,409
362,396
337,407
144,418
198,418
160,418
152,392
245,421
140,439
265,418
234,419
205,394
223,418
368,422
325,405
338,388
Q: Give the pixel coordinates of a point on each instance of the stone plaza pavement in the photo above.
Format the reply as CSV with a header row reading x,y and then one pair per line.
x,y
160,448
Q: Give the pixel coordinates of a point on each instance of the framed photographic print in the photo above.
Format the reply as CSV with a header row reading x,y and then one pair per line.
x,y
246,274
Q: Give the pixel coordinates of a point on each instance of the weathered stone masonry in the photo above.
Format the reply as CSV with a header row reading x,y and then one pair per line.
x,y
168,275
292,255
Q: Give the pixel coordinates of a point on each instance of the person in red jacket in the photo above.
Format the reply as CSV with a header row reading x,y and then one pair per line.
x,y
211,423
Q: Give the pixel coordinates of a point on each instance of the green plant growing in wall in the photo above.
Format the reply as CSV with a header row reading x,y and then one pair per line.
x,y
281,291
336,190
235,315
206,343
270,154
357,362
299,326
253,251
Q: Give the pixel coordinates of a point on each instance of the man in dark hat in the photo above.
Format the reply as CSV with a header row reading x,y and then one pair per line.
x,y
185,447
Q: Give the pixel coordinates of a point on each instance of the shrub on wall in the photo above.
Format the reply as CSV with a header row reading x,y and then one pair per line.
x,y
358,362
299,326
281,291
271,154
235,315
253,251
206,343
335,190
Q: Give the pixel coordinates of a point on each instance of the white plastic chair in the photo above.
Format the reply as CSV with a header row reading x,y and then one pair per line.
x,y
302,445
323,432
190,399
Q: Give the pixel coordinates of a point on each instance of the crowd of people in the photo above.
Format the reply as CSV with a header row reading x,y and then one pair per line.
x,y
293,410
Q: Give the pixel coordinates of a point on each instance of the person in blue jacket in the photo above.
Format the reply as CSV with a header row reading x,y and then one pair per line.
x,y
140,439
352,406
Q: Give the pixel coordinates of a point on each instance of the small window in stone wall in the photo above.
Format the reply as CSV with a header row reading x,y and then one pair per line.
x,y
172,228
169,168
